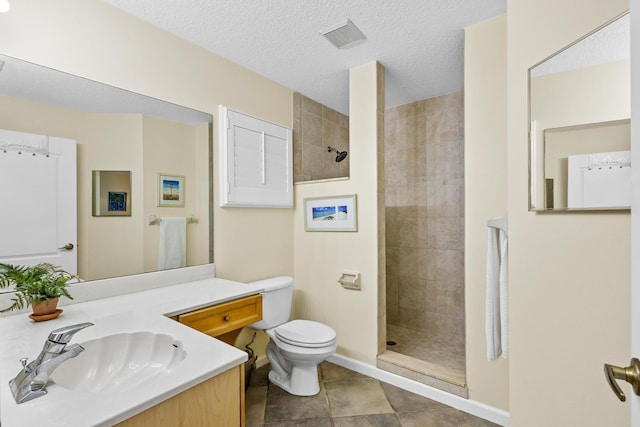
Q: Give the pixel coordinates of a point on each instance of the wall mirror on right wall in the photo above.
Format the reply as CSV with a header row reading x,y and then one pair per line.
x,y
579,112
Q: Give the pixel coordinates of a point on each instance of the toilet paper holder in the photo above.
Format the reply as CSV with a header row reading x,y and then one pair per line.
x,y
350,280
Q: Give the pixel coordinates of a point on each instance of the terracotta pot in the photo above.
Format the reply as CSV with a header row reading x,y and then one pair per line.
x,y
45,307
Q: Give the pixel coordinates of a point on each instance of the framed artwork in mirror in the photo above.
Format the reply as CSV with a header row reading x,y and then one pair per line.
x,y
170,190
111,193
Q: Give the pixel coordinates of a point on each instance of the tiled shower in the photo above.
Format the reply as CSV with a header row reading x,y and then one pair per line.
x,y
315,127
424,196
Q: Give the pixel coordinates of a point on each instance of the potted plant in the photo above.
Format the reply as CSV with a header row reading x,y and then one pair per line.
x,y
39,285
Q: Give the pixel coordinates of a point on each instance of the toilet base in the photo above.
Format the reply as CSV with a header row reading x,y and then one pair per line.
x,y
302,381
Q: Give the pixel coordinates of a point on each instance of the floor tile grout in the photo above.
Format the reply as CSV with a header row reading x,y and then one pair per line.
x,y
347,402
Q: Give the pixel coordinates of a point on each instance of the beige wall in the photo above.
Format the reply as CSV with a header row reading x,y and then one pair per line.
x,y
563,319
93,40
568,289
485,152
321,257
170,148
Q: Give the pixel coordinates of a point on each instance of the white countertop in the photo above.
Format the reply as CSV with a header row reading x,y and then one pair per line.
x,y
147,310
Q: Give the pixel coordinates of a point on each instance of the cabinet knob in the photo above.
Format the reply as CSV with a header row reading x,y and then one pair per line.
x,y
226,318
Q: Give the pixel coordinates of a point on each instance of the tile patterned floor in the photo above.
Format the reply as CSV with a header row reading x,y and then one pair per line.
x,y
347,398
418,345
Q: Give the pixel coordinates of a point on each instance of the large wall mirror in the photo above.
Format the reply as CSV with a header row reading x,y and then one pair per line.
x,y
114,130
579,111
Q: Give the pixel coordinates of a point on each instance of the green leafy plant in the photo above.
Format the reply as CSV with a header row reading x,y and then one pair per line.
x,y
34,284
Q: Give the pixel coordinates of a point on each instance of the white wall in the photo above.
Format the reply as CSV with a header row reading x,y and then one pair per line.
x,y
569,273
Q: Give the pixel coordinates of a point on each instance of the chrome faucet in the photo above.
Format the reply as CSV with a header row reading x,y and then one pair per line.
x,y
31,381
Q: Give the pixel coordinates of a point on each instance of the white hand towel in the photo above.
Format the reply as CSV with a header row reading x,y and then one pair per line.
x,y
172,251
504,294
497,301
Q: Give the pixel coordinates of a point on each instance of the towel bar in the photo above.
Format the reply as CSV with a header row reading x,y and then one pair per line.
x,y
152,219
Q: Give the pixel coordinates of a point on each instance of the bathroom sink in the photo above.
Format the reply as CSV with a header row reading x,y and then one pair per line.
x,y
120,362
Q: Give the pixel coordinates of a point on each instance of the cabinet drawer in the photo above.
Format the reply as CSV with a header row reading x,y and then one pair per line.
x,y
220,319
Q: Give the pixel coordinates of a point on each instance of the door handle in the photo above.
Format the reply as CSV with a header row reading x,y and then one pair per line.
x,y
630,374
67,247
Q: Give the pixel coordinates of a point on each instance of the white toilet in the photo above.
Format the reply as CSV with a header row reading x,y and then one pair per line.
x,y
296,347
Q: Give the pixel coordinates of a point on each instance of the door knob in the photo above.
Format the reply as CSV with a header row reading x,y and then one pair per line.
x,y
630,374
67,247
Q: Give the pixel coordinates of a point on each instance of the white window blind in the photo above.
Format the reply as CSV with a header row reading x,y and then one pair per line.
x,y
256,168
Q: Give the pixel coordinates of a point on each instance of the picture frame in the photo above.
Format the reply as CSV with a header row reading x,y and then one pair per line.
x,y
117,201
337,213
111,193
170,190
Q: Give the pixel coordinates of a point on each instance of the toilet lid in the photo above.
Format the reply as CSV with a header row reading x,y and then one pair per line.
x,y
306,333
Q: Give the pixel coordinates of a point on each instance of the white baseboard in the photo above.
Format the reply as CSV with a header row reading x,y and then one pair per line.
x,y
495,415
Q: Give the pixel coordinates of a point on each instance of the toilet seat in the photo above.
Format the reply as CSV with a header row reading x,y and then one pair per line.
x,y
305,333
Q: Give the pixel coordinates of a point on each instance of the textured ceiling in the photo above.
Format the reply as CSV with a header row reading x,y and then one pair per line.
x,y
608,44
419,42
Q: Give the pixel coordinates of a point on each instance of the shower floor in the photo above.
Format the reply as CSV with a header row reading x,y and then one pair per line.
x,y
419,345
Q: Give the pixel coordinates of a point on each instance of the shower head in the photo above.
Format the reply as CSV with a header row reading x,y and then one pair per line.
x,y
340,155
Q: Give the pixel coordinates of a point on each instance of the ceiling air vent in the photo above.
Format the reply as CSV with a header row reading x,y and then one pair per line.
x,y
344,35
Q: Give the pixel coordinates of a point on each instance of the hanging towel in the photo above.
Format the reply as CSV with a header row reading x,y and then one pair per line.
x,y
172,252
497,294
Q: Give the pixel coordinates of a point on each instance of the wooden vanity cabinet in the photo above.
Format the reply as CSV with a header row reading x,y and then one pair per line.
x,y
218,401
224,321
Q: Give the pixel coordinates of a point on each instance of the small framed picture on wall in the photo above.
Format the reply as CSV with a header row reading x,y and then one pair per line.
x,y
330,213
170,190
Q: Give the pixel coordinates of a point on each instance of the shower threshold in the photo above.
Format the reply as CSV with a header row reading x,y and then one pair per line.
x,y
424,372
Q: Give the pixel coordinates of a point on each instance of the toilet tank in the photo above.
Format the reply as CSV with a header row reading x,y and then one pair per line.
x,y
276,301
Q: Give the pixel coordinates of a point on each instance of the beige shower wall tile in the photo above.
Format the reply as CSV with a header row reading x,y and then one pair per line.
x,y
331,115
446,328
409,231
331,135
318,126
444,265
392,301
445,160
312,162
412,318
311,106
444,198
445,298
444,233
424,197
412,293
311,129
444,126
391,254
411,262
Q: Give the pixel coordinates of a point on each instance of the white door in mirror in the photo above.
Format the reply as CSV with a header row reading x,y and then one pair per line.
x,y
38,219
599,180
